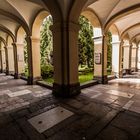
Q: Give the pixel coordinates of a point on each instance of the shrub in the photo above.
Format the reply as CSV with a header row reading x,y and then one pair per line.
x,y
47,71
85,71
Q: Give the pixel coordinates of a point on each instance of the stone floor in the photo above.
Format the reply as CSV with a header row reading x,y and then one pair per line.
x,y
101,112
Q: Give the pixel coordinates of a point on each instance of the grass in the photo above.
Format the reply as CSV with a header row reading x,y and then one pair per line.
x,y
49,80
82,78
86,77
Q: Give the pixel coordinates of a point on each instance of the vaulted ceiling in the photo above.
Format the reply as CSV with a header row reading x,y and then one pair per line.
x,y
122,13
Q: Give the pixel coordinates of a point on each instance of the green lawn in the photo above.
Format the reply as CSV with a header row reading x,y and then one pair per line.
x,y
82,78
49,80
86,77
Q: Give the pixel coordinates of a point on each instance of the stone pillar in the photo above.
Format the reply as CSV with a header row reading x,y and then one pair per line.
x,y
1,65
65,59
20,58
16,75
100,59
6,59
121,60
10,59
130,56
116,49
127,58
3,59
33,59
136,66
133,58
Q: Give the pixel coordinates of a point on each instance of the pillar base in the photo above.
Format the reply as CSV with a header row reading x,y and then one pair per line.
x,y
128,71
1,71
101,79
16,76
7,72
121,74
136,70
66,90
32,81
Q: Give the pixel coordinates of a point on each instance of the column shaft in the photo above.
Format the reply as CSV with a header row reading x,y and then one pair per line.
x,y
1,65
65,57
100,59
16,74
33,59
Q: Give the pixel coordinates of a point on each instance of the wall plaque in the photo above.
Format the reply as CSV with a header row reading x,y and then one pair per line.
x,y
97,58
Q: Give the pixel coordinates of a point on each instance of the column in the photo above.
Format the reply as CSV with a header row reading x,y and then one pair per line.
x,y
3,59
20,59
10,60
65,59
130,56
121,60
1,65
100,59
127,58
138,64
137,50
33,59
116,58
133,58
6,59
16,75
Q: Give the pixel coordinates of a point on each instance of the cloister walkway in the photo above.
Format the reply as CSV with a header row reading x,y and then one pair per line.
x,y
101,112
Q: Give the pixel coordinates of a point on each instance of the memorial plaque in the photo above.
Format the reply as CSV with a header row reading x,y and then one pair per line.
x,y
97,58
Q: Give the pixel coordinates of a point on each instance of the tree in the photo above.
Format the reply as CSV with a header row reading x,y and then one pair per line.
x,y
46,42
85,42
109,51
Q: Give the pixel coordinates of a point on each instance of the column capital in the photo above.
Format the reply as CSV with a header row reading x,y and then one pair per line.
x,y
122,43
117,42
9,47
34,39
18,44
98,40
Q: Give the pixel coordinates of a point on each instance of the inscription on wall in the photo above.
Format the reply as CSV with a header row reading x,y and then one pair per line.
x,y
97,58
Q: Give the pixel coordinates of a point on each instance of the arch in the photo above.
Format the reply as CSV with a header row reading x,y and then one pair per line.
x,y
134,37
20,44
17,19
121,14
130,28
92,17
126,37
94,20
77,6
6,30
115,50
114,30
37,23
3,41
10,54
20,35
54,9
9,40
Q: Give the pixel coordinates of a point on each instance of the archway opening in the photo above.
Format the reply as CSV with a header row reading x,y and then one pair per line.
x,y
46,50
41,32
86,50
22,54
114,55
10,53
109,53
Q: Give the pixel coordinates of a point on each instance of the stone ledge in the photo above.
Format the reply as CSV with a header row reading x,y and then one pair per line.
x,y
44,84
89,84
